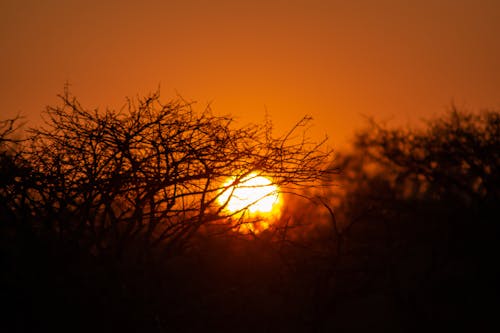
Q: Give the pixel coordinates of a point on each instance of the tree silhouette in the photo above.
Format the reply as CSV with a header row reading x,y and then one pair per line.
x,y
455,155
151,173
422,207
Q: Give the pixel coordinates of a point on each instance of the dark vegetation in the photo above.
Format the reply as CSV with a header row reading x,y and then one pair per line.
x,y
109,222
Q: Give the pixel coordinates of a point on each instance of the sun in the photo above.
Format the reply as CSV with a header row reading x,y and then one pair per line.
x,y
253,196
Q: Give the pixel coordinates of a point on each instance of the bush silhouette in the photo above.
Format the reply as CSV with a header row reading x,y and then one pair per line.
x,y
423,223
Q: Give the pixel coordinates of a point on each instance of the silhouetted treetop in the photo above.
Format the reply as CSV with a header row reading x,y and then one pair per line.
x,y
459,153
153,171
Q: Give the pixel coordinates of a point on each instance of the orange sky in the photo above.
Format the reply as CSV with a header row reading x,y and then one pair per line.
x,y
336,60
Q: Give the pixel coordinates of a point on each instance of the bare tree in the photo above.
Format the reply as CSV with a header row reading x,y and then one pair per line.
x,y
153,172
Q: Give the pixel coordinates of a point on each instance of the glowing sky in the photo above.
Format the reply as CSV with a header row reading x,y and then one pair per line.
x,y
335,60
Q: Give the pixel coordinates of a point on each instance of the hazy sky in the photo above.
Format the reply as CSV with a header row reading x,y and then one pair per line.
x,y
335,60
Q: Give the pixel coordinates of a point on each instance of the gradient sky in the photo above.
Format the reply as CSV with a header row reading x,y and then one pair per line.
x,y
336,60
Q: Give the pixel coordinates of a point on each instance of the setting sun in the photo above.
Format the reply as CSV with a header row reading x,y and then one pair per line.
x,y
255,195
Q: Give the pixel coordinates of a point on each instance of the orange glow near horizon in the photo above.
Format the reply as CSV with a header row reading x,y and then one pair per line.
x,y
254,197
338,61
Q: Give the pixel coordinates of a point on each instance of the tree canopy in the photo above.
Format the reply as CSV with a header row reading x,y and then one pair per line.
x,y
151,171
